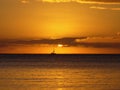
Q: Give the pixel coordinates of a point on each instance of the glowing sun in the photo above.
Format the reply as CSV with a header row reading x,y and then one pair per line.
x,y
60,45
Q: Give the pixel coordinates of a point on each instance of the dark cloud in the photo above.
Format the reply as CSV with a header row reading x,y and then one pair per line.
x,y
101,45
69,41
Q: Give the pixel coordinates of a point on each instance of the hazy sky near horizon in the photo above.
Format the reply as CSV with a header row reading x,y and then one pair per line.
x,y
85,23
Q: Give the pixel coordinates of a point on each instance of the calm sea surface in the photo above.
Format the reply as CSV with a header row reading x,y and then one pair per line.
x,y
59,72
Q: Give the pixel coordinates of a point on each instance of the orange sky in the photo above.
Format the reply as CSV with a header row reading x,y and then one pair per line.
x,y
26,21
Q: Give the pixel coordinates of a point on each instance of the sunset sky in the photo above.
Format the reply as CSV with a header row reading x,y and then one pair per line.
x,y
68,26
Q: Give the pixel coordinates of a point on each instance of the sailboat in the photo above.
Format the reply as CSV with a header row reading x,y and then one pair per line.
x,y
53,52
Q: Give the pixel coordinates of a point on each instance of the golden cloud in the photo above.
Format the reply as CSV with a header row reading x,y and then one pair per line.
x,y
78,1
104,8
97,7
85,1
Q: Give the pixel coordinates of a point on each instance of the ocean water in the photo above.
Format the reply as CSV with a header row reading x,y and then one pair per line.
x,y
59,72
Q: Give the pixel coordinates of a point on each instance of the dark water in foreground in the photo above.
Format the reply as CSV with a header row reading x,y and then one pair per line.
x,y
59,72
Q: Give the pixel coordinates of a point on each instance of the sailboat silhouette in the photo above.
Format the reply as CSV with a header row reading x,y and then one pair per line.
x,y
53,52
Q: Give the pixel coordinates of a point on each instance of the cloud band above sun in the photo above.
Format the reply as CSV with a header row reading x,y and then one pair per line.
x,y
86,1
78,1
96,42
